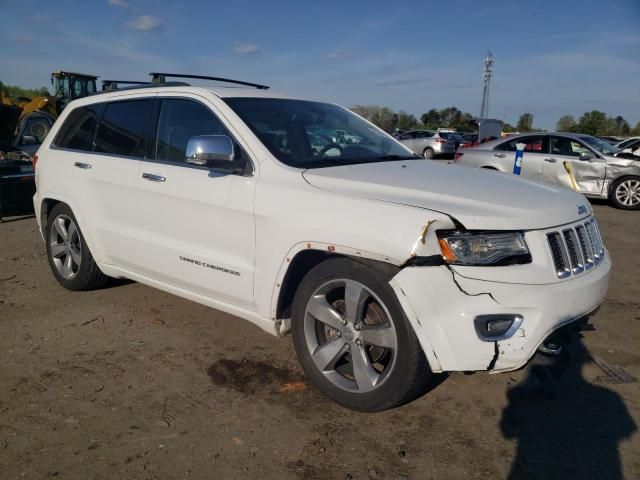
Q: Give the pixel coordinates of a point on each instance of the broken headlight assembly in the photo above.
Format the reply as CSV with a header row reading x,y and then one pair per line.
x,y
477,248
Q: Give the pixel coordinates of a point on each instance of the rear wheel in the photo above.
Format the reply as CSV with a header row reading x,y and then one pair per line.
x,y
353,339
69,257
625,193
428,153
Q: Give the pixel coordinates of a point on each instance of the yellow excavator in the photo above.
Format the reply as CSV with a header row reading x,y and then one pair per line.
x,y
31,119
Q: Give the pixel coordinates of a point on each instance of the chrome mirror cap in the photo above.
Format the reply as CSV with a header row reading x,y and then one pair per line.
x,y
203,149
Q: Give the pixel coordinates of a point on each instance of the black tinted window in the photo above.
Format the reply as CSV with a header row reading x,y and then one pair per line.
x,y
180,120
77,130
125,127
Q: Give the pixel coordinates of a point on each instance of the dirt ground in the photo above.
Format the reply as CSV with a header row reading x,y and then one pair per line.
x,y
132,383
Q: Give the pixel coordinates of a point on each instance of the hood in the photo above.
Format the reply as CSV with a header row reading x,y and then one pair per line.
x,y
479,199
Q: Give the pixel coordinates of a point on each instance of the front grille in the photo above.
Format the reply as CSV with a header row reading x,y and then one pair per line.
x,y
576,249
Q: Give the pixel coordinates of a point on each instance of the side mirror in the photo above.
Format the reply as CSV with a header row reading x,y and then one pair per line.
x,y
587,156
210,151
29,140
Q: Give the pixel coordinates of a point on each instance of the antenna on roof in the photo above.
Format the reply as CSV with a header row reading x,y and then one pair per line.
x,y
158,78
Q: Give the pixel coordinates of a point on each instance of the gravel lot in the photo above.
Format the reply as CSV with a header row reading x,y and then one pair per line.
x,y
133,383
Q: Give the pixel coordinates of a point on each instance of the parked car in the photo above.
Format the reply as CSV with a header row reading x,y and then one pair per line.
x,y
470,137
610,140
384,267
429,144
583,163
17,184
623,144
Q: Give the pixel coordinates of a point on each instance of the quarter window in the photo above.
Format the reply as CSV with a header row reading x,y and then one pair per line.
x,y
180,120
125,128
78,128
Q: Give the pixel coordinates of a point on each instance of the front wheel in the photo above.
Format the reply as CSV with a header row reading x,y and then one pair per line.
x,y
625,193
353,339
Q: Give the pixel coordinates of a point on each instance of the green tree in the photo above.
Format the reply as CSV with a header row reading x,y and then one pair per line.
x,y
431,119
383,117
525,122
449,117
406,121
592,122
566,123
622,126
635,130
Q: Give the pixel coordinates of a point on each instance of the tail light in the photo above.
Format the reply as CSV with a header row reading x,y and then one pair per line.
x,y
441,140
34,160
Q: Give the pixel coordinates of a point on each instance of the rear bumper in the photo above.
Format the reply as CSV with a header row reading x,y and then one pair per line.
x,y
442,306
444,149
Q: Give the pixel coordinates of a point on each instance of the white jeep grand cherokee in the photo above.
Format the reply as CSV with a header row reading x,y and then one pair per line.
x,y
298,215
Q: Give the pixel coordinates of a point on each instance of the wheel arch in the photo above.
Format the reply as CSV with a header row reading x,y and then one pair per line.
x,y
302,258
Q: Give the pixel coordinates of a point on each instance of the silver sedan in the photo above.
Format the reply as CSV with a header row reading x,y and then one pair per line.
x,y
581,162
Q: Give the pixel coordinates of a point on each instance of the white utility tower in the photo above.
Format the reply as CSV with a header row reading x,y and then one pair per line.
x,y
486,77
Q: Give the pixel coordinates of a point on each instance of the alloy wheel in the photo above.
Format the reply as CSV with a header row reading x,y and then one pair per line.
x,y
350,335
65,246
628,193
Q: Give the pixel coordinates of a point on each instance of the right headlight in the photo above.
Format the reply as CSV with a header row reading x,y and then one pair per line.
x,y
462,248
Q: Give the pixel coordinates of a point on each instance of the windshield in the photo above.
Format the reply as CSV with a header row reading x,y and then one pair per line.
x,y
600,145
307,134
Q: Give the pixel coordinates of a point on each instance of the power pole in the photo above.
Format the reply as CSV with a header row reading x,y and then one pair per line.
x,y
486,77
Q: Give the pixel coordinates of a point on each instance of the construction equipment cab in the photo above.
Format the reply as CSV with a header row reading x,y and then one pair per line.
x,y
39,114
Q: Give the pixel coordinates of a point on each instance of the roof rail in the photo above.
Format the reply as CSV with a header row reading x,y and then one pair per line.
x,y
115,84
140,87
159,78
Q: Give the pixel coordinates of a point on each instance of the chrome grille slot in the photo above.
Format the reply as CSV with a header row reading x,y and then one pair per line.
x,y
575,255
559,254
585,246
596,243
576,249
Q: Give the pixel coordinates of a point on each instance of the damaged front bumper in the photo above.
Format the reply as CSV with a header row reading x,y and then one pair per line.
x,y
442,305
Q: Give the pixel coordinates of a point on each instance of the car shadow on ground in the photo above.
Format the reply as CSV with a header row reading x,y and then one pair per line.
x,y
17,218
565,427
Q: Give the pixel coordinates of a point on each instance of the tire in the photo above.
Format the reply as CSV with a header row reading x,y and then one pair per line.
x,y
384,374
625,193
69,257
428,153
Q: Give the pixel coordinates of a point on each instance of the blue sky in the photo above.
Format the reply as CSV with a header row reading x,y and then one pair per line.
x,y
552,57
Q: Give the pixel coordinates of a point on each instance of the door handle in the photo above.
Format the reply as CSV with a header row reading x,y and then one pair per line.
x,y
84,166
153,178
499,155
550,160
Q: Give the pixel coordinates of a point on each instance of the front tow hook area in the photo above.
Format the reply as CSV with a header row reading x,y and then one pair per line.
x,y
550,348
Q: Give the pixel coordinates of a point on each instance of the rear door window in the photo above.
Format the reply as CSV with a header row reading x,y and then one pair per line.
x,y
125,128
77,130
533,144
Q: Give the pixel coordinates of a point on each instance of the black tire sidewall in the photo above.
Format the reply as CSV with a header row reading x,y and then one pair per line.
x,y
399,386
81,281
612,194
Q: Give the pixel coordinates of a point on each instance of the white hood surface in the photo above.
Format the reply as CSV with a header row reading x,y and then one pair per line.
x,y
479,199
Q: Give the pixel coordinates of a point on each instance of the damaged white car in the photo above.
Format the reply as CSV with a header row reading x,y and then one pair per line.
x,y
582,163
385,267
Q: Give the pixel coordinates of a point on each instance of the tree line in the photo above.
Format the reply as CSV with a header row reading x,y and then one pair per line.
x,y
19,92
591,123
